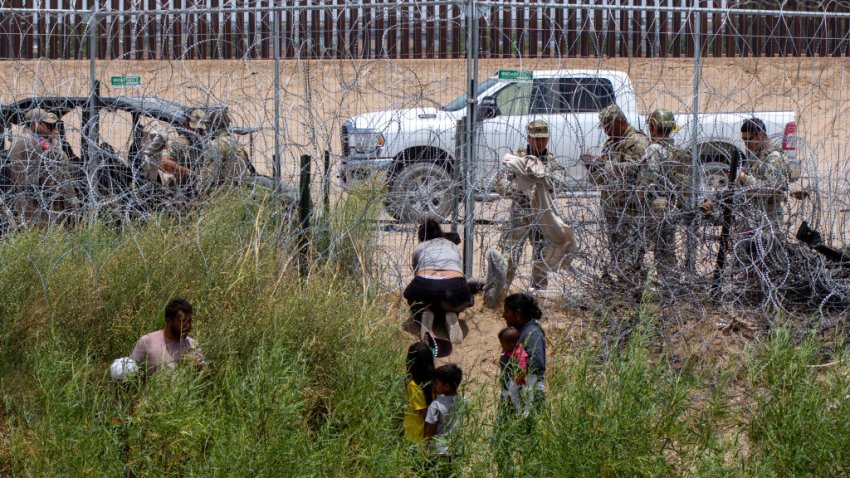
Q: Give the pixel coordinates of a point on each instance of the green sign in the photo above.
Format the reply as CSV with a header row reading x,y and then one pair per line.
x,y
125,81
519,75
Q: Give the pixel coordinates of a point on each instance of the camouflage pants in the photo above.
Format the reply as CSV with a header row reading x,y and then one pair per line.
x,y
659,235
766,217
623,231
775,212
42,207
773,209
521,227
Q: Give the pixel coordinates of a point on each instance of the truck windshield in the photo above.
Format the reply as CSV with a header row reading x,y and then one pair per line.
x,y
460,102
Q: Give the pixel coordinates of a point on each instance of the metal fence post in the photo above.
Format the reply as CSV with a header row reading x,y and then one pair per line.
x,y
326,184
468,164
92,126
276,172
457,172
695,166
304,210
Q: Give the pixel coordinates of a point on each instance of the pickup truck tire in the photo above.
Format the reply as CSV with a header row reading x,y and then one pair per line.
x,y
715,176
715,160
419,191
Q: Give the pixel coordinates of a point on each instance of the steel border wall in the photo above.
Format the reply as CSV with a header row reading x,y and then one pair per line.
x,y
244,29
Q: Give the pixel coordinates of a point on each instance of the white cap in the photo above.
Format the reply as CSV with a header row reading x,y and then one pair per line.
x,y
122,368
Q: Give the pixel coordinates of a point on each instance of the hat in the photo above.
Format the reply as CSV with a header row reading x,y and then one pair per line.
x,y
38,115
538,129
663,119
610,113
198,119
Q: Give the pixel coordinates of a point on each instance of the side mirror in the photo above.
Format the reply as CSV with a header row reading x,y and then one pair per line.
x,y
487,108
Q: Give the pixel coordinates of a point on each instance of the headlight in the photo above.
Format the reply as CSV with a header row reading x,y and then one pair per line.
x,y
365,141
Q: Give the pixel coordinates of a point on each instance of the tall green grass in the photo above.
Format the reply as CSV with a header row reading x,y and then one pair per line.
x,y
618,418
776,413
799,416
307,377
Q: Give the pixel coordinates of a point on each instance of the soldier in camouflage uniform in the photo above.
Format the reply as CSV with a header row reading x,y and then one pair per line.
x,y
522,223
184,153
225,161
763,183
766,175
206,155
663,181
616,171
43,190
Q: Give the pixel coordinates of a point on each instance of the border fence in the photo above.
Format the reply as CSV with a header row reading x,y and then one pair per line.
x,y
713,65
244,29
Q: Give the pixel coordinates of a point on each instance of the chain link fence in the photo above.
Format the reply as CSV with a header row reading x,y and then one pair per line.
x,y
381,91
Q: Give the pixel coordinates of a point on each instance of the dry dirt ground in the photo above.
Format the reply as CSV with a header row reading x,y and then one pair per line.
x,y
703,337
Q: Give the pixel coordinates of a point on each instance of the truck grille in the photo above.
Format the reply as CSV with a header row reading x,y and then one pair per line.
x,y
343,137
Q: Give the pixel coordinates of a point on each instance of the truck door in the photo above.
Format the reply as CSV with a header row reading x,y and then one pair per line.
x,y
571,105
550,103
582,99
503,133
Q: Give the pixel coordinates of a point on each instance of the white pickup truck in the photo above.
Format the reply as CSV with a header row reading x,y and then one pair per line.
x,y
415,148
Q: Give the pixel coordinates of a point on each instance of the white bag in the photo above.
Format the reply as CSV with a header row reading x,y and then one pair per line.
x,y
123,368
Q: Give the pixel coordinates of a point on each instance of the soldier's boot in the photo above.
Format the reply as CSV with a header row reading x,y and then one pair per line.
x,y
426,323
496,284
539,276
640,282
511,273
666,269
453,324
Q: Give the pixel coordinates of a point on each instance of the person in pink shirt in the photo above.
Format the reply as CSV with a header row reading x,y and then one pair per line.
x,y
165,348
513,365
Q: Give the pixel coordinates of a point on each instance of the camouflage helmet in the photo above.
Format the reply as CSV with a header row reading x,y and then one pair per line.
x,y
609,114
218,119
538,129
198,119
38,115
664,120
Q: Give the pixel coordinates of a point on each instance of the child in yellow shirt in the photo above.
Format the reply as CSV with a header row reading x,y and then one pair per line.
x,y
419,391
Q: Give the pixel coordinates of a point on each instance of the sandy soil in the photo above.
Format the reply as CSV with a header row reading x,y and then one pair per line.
x,y
699,337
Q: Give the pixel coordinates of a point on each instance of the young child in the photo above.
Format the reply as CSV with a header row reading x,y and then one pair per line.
x,y
444,416
419,391
513,365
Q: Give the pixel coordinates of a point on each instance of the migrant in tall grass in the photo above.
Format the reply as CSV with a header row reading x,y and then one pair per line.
x,y
305,375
